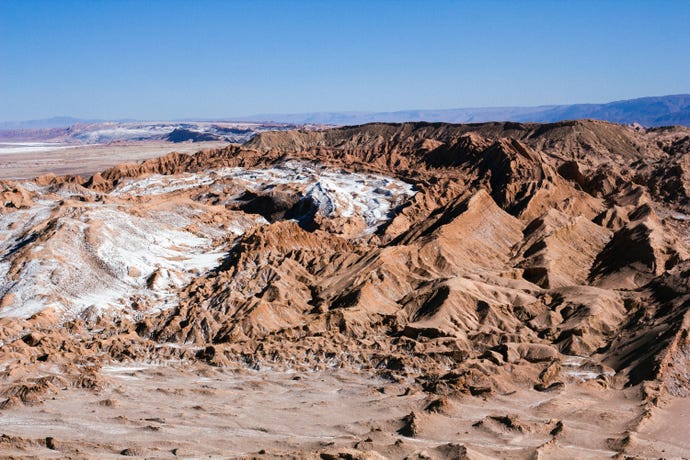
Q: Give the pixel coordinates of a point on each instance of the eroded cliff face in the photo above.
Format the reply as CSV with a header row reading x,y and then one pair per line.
x,y
468,259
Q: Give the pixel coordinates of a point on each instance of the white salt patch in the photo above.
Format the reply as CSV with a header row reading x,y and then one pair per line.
x,y
158,184
87,262
570,360
114,369
101,256
31,147
4,268
122,133
583,375
147,131
577,368
337,193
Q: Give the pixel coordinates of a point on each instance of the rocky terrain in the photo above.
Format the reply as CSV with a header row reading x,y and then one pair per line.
x,y
114,131
379,291
86,148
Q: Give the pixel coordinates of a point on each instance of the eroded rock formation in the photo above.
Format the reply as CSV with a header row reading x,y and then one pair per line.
x,y
474,259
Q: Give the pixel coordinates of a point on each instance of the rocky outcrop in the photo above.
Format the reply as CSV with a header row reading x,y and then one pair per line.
x,y
473,259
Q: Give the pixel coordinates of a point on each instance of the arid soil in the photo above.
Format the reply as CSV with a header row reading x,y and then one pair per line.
x,y
176,410
419,290
89,159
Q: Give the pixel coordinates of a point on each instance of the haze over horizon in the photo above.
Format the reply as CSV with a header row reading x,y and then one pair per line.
x,y
205,60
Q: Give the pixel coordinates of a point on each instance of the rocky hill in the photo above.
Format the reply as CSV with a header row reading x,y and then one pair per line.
x,y
463,262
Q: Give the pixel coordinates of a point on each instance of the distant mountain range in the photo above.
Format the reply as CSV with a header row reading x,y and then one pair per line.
x,y
647,111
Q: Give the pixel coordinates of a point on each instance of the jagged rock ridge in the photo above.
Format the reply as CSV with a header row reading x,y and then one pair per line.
x,y
475,259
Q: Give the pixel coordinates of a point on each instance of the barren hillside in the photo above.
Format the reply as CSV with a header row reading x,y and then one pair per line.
x,y
505,290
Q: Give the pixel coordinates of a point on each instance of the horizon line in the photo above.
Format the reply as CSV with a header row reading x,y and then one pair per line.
x,y
253,118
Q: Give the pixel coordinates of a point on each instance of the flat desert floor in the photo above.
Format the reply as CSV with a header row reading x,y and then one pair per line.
x,y
179,410
176,410
88,159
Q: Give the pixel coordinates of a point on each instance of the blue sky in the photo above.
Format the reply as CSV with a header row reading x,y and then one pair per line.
x,y
213,59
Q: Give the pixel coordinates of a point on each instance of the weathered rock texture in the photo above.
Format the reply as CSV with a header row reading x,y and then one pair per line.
x,y
521,256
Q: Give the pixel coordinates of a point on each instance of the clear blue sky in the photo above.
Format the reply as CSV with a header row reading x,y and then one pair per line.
x,y
211,59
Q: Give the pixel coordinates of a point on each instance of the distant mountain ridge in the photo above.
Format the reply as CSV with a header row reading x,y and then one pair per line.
x,y
647,111
80,133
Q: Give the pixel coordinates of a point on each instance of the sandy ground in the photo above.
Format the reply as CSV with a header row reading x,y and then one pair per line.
x,y
666,433
167,411
87,160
